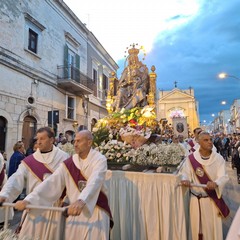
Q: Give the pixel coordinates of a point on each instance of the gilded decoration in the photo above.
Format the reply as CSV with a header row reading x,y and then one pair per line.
x,y
130,132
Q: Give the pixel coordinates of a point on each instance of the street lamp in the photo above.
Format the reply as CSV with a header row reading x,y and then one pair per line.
x,y
225,75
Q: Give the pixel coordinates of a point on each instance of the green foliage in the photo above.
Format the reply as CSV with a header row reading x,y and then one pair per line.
x,y
100,135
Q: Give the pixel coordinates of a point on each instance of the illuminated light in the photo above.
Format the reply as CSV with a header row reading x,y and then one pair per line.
x,y
222,75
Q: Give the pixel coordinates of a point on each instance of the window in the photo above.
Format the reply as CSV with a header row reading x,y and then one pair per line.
x,y
105,82
33,35
70,108
32,41
71,63
94,75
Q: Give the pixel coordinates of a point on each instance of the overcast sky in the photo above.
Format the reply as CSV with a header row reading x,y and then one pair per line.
x,y
188,41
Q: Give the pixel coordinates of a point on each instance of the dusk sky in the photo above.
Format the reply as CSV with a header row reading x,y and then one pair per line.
x,y
188,41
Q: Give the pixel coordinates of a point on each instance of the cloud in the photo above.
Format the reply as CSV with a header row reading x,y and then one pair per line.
x,y
194,53
117,24
189,41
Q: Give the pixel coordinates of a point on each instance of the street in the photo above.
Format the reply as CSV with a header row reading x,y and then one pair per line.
x,y
231,195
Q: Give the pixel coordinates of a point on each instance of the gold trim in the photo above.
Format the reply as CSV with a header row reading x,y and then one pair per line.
x,y
35,174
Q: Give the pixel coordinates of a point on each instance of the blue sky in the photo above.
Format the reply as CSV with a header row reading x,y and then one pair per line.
x,y
188,41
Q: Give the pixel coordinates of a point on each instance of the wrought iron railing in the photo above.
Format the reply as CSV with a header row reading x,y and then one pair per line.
x,y
72,73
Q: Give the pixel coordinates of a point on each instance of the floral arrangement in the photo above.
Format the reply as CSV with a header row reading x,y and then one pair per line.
x,y
133,126
152,154
175,154
138,121
158,154
122,137
147,154
135,136
115,150
177,114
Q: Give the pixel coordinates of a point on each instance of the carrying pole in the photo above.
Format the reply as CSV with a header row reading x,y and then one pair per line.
x,y
60,235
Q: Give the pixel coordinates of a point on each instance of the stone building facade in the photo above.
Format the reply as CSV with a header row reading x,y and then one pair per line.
x,y
53,71
178,103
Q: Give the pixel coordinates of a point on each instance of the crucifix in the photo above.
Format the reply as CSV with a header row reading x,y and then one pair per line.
x,y
175,84
190,88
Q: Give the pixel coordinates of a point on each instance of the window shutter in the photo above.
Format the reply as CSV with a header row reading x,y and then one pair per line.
x,y
77,61
65,61
77,67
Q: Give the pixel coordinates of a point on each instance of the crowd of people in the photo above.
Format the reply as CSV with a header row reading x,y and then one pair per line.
x,y
74,176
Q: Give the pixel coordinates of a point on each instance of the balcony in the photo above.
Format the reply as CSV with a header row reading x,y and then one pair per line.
x,y
72,80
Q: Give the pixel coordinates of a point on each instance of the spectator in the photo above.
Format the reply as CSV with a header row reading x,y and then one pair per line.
x,y
32,147
16,158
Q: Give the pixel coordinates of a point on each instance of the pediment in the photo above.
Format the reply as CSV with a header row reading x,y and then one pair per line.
x,y
176,94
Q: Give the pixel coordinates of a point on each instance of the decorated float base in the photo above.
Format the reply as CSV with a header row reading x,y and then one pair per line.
x,y
126,166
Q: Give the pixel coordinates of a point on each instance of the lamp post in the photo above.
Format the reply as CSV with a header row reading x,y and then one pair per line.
x,y
226,75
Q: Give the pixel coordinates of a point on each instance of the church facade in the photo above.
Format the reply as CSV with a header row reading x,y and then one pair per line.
x,y
178,103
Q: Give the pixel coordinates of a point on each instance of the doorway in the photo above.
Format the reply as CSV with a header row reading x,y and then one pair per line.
x,y
3,131
29,130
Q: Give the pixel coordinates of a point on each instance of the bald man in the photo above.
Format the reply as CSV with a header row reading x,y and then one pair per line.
x,y
207,208
83,175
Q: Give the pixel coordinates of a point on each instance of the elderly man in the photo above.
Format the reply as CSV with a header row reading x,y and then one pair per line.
x,y
207,207
83,175
32,171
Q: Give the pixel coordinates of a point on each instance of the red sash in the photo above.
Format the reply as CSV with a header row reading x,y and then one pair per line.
x,y
76,175
191,143
203,179
39,169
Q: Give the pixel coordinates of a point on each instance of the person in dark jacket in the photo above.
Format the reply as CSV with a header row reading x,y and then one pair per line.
x,y
32,147
218,143
16,158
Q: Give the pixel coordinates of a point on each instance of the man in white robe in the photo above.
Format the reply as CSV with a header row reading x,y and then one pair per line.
x,y
35,226
3,179
193,142
234,230
87,221
214,165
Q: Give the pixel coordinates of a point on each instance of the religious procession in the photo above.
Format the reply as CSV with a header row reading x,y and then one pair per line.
x,y
88,154
129,171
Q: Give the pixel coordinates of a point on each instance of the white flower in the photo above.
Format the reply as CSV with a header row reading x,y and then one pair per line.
x,y
95,129
118,155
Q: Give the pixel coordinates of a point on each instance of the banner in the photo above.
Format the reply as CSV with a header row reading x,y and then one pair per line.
x,y
180,127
